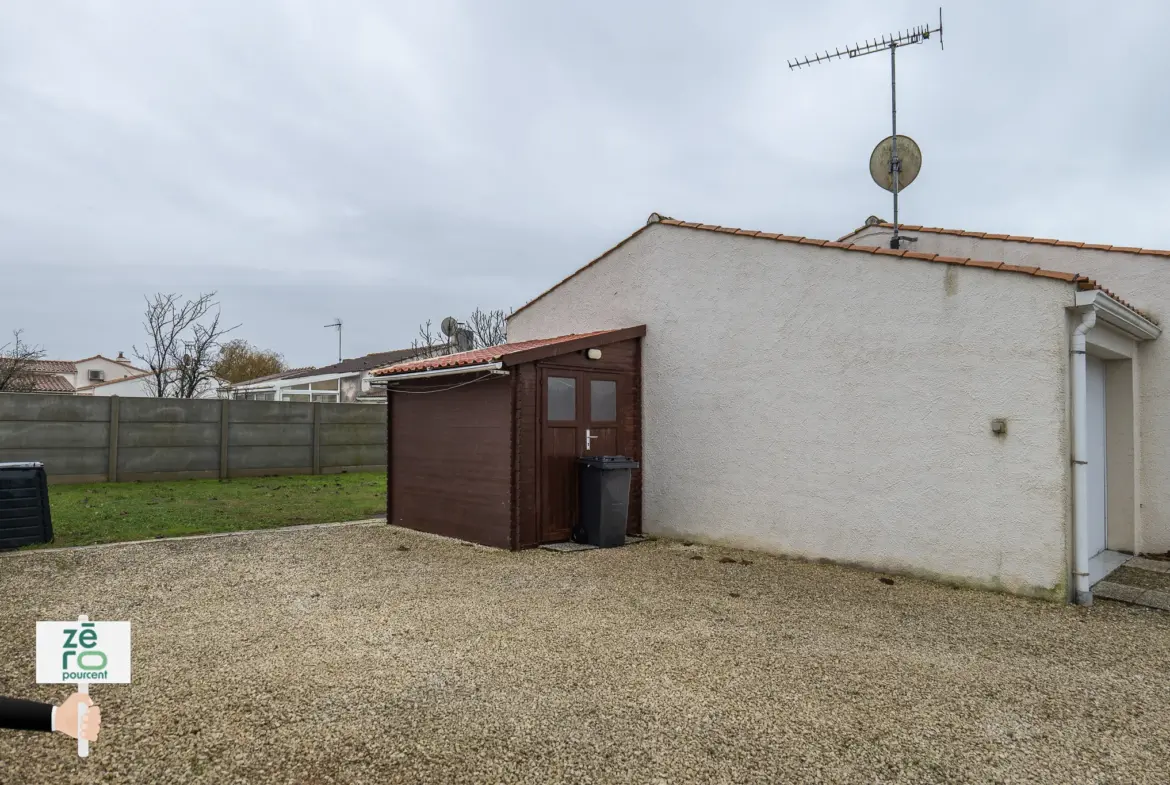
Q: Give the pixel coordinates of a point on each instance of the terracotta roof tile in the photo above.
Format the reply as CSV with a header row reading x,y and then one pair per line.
x,y
41,383
1009,237
490,354
51,383
1080,281
1059,276
53,366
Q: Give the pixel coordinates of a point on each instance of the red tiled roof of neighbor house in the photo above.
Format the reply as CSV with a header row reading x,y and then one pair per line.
x,y
53,366
1008,237
1081,281
44,383
500,353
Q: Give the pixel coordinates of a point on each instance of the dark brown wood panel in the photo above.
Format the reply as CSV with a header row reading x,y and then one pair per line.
x,y
527,441
560,445
621,356
451,459
620,361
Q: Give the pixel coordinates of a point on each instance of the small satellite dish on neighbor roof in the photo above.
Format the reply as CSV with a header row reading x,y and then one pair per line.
x,y
449,326
909,156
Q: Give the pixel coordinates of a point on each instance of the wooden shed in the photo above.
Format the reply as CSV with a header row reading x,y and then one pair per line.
x,y
482,445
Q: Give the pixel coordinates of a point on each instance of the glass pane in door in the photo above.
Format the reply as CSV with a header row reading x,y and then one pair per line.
x,y
562,398
602,400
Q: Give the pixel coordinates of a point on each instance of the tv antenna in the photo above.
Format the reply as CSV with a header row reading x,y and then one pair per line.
x,y
337,323
891,42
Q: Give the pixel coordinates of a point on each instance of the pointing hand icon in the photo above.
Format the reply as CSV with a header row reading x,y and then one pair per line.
x,y
65,719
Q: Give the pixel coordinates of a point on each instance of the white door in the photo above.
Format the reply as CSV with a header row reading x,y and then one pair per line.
x,y
1095,401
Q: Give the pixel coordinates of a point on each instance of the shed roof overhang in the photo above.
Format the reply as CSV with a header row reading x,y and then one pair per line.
x,y
1116,315
495,368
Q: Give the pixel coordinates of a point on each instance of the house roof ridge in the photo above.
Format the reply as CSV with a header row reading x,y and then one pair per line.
x,y
110,359
1081,281
1008,238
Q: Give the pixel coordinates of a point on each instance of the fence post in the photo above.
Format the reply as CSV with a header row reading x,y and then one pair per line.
x,y
224,424
112,468
317,437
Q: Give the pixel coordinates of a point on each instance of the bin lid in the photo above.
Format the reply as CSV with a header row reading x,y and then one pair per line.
x,y
606,462
22,465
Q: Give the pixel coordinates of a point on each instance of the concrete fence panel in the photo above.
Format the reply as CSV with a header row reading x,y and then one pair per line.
x,y
124,439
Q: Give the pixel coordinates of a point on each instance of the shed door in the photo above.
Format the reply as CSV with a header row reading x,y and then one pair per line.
x,y
580,416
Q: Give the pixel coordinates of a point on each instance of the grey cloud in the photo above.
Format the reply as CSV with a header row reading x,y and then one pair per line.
x,y
390,162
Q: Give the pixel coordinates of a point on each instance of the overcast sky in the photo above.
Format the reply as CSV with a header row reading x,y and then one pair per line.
x,y
389,162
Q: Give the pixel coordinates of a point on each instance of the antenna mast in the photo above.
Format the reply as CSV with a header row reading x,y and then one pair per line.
x,y
912,36
337,323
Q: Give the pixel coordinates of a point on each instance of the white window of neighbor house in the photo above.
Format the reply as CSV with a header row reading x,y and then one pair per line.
x,y
297,397
325,397
329,385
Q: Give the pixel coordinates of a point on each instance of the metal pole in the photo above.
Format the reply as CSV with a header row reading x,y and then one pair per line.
x,y
895,164
339,358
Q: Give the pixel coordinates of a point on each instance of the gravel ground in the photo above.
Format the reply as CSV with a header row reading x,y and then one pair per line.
x,y
375,655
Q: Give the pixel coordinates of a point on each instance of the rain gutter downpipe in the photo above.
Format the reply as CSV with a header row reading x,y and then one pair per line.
x,y
1080,460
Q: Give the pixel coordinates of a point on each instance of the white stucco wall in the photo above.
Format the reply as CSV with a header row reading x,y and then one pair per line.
x,y
141,387
1143,281
830,404
113,370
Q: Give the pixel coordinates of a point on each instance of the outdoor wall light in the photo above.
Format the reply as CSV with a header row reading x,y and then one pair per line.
x,y
593,354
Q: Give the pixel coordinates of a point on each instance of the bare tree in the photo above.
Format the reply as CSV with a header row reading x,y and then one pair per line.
x,y
428,343
183,338
18,364
482,329
488,328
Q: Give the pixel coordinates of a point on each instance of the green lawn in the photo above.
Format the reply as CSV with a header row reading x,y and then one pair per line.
x,y
113,512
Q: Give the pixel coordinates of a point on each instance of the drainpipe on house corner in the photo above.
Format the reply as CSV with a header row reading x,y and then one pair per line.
x,y
1080,460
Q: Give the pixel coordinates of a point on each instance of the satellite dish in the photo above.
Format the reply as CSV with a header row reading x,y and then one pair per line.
x,y
908,153
449,326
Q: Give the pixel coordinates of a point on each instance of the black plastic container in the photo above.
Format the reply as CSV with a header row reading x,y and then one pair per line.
x,y
24,505
604,494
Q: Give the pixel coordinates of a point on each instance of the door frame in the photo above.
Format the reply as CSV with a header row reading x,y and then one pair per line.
x,y
627,383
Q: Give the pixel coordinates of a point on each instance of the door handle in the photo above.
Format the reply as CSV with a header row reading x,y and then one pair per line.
x,y
589,437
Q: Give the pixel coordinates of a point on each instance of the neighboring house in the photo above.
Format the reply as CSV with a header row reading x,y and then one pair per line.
x,y
345,382
918,411
140,385
98,369
67,376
